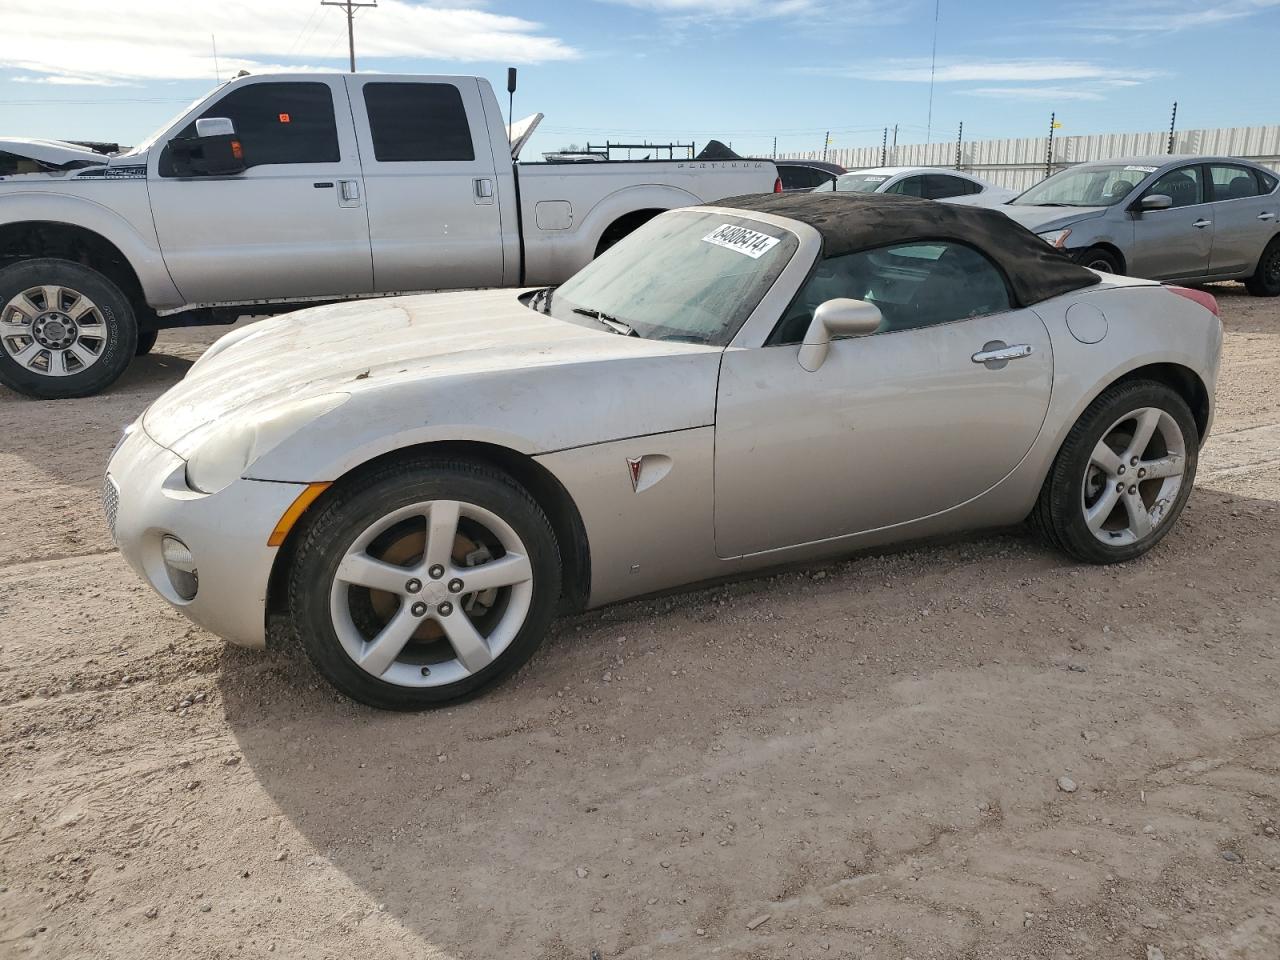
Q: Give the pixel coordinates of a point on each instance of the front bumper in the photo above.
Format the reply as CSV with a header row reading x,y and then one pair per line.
x,y
146,497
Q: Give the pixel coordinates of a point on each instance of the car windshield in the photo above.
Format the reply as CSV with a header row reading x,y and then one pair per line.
x,y
688,276
1091,186
860,182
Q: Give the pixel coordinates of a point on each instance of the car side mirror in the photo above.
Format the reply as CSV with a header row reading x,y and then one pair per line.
x,y
1155,201
841,317
214,151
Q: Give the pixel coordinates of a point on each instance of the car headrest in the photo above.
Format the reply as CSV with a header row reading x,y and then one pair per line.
x,y
1242,186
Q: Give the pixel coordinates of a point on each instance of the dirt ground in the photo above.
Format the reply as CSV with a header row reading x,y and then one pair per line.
x,y
854,761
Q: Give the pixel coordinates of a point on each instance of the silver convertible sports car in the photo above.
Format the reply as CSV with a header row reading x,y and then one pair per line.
x,y
414,486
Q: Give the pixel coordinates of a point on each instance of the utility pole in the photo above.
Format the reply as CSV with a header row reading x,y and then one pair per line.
x,y
959,142
884,148
1172,123
775,148
826,143
351,7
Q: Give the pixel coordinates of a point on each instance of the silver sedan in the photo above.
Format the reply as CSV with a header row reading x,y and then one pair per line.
x,y
1190,219
414,486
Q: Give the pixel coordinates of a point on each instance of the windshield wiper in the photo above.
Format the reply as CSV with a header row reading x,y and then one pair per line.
x,y
613,323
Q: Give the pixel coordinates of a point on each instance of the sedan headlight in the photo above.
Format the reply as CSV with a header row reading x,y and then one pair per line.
x,y
1056,238
223,456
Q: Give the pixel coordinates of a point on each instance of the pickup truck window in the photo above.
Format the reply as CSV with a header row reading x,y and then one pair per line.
x,y
275,123
417,121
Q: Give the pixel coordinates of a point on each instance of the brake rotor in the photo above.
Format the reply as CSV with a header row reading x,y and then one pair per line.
x,y
408,549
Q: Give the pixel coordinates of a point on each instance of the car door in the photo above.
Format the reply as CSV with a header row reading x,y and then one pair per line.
x,y
940,186
292,224
435,220
1244,218
912,186
1173,243
892,427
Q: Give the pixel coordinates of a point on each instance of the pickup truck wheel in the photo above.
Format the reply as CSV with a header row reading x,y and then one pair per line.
x,y
65,331
146,340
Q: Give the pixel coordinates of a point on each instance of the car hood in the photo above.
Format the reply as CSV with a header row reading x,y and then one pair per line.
x,y
1043,219
55,154
381,345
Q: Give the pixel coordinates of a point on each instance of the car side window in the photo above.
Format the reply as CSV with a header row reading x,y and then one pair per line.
x,y
417,121
1268,182
286,122
940,186
1231,182
1183,185
915,285
908,187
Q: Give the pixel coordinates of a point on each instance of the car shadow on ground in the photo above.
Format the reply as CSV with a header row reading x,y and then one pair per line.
x,y
666,770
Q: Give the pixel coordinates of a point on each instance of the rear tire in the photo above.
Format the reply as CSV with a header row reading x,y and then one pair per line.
x,y
1099,258
424,531
65,331
1265,281
1112,495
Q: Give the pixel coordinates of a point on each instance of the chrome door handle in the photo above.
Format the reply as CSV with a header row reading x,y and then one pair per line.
x,y
1201,224
1266,216
999,353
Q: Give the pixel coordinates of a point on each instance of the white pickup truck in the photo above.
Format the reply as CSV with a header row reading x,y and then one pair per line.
x,y
285,189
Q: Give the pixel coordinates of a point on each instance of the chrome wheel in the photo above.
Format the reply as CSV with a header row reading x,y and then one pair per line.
x,y
431,594
53,330
1134,476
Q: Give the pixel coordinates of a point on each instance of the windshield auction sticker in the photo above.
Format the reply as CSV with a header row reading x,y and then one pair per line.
x,y
748,242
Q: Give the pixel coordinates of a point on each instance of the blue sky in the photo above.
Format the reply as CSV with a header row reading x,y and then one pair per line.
x,y
740,70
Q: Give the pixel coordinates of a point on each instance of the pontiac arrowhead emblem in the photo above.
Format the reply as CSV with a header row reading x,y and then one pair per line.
x,y
633,464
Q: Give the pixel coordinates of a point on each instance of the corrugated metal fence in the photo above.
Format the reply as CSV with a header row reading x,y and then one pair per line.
x,y
1017,164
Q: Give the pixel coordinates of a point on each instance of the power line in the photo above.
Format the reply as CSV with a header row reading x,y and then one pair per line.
x,y
351,7
933,63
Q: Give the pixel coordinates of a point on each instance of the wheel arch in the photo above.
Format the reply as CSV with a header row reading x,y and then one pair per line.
x,y
1182,380
625,224
1110,248
39,239
541,484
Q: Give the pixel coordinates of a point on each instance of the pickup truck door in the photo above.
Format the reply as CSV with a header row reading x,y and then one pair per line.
x,y
291,225
435,217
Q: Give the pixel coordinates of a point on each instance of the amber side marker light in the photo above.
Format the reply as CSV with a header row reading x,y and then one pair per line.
x,y
296,509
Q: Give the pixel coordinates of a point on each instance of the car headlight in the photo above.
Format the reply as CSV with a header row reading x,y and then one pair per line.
x,y
224,455
1056,238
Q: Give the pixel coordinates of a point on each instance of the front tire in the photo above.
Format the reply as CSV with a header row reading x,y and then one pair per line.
x,y
65,331
1100,259
1122,476
1265,281
425,582
146,341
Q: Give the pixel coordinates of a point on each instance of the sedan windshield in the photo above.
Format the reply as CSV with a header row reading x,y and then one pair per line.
x,y
1091,186
687,276
857,183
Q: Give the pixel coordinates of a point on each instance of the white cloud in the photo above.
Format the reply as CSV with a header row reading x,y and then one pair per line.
x,y
1035,93
1168,16
66,40
724,9
1025,70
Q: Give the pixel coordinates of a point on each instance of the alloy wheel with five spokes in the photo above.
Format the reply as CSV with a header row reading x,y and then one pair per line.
x,y
1134,476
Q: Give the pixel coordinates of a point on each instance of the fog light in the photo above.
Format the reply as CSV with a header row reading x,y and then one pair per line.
x,y
181,567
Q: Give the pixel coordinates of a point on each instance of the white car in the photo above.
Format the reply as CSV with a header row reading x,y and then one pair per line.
x,y
931,183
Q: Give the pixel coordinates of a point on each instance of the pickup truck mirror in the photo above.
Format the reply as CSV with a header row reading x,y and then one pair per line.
x,y
214,151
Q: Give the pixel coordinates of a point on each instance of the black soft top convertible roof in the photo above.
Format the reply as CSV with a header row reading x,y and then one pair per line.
x,y
850,222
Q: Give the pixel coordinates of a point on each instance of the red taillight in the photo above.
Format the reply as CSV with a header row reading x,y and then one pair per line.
x,y
777,184
1206,300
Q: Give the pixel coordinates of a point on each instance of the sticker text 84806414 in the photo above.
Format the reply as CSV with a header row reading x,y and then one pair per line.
x,y
750,243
